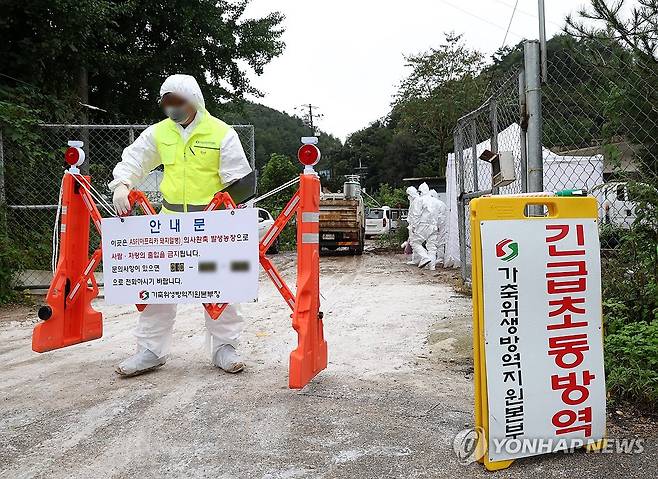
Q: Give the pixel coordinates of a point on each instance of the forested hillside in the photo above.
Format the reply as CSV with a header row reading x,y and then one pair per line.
x,y
276,132
585,103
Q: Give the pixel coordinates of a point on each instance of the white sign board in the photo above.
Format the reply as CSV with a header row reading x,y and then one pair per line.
x,y
543,335
204,257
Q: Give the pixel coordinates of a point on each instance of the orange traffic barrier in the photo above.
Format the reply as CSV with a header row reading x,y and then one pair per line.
x,y
310,357
68,317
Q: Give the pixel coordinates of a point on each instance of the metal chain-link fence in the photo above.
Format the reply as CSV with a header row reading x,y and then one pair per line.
x,y
598,129
32,183
601,133
494,126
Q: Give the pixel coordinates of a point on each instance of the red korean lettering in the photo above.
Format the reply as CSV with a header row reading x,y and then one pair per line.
x,y
566,304
564,421
568,350
572,392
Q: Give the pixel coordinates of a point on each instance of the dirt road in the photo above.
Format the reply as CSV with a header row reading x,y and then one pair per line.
x,y
397,390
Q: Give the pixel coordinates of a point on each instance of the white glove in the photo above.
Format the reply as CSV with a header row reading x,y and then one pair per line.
x,y
120,200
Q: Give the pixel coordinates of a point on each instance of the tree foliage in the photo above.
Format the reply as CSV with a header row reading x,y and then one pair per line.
x,y
126,48
444,83
638,31
278,170
415,137
276,132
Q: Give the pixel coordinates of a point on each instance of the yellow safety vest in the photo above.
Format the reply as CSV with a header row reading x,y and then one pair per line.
x,y
191,168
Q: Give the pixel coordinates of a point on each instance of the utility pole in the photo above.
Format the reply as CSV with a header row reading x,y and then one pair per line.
x,y
532,68
309,116
83,94
542,41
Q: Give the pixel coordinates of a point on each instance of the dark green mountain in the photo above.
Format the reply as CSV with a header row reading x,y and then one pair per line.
x,y
276,132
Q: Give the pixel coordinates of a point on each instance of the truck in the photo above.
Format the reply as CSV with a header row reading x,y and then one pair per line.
x,y
342,218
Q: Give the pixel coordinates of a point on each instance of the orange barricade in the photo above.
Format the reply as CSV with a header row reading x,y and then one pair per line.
x,y
68,317
310,357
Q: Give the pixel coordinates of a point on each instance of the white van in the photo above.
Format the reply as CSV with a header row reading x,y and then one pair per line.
x,y
398,217
378,221
615,206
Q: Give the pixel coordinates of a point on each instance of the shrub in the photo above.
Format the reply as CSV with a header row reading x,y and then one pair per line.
x,y
630,306
631,359
10,267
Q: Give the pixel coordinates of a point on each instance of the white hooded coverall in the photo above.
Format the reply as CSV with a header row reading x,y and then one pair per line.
x,y
440,212
155,324
425,229
412,220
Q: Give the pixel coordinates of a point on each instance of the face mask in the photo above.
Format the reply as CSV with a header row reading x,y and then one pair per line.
x,y
176,113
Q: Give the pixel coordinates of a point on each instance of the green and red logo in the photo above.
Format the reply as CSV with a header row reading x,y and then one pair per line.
x,y
144,295
507,249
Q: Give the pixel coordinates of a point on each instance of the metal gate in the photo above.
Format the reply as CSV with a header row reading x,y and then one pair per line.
x,y
497,125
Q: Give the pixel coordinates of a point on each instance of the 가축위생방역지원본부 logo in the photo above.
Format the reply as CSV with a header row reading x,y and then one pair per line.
x,y
507,249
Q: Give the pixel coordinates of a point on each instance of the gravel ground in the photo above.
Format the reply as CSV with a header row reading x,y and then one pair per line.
x,y
397,389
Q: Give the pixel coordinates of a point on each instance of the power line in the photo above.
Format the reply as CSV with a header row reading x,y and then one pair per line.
x,y
509,24
479,17
309,115
529,14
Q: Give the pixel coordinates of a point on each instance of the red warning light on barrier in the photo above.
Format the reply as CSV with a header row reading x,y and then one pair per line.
x,y
72,155
308,155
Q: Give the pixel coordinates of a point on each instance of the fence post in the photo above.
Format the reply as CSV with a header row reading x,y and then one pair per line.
x,y
3,196
474,153
522,132
461,214
532,69
493,120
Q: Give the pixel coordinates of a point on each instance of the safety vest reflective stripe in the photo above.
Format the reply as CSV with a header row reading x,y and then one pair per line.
x,y
180,208
191,168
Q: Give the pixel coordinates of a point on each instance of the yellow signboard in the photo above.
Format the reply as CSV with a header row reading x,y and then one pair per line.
x,y
537,329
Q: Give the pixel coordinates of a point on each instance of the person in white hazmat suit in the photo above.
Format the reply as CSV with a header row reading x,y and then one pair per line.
x,y
440,210
412,219
425,227
215,160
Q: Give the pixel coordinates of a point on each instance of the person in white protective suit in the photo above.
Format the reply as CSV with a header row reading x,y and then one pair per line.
x,y
201,155
425,227
412,219
440,209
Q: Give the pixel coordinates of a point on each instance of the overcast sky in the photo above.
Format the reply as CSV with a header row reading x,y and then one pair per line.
x,y
347,56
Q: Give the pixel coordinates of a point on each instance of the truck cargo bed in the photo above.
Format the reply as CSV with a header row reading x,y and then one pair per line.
x,y
341,222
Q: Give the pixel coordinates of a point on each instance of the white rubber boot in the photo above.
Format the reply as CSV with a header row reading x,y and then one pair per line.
x,y
139,363
228,359
424,262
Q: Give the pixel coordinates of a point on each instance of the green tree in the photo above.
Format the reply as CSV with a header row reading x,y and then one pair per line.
x,y
415,137
278,170
275,131
117,53
444,84
637,31
386,195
